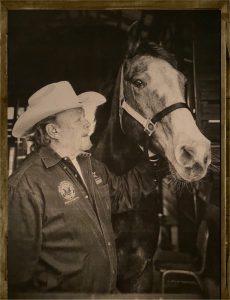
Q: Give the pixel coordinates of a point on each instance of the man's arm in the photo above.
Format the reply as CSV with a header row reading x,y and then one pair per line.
x,y
128,189
24,235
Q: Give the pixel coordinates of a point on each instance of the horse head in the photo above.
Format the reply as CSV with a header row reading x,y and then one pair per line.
x,y
153,109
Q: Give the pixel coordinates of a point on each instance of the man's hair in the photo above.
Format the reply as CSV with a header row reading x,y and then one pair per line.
x,y
39,136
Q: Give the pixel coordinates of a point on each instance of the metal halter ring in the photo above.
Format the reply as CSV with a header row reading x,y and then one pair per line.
x,y
149,127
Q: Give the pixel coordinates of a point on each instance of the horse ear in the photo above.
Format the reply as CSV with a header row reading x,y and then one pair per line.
x,y
134,38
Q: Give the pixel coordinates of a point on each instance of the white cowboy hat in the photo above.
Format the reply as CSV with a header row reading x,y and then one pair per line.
x,y
52,99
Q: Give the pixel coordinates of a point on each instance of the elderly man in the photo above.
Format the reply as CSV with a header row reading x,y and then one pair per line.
x,y
60,199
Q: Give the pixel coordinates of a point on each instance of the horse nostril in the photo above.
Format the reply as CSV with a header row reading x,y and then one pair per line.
x,y
206,159
185,156
197,167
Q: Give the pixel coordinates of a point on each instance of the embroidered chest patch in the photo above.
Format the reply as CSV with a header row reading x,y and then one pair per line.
x,y
97,179
67,191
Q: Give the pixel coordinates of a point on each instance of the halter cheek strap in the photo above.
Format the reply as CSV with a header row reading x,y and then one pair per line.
x,y
143,121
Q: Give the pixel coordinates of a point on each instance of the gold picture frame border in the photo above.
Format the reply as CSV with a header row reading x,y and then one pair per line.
x,y
222,6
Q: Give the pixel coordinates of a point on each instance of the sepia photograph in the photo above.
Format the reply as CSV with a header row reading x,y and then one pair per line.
x,y
114,158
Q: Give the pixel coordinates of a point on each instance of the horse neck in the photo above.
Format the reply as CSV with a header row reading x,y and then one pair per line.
x,y
114,148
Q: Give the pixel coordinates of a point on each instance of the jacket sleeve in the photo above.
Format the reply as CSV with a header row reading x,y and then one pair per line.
x,y
24,235
127,190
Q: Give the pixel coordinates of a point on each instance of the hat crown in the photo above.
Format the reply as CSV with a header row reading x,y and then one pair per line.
x,y
54,92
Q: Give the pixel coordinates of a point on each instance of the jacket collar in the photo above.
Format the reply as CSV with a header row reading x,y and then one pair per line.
x,y
49,156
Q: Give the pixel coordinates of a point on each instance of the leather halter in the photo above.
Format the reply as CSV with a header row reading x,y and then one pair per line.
x,y
148,124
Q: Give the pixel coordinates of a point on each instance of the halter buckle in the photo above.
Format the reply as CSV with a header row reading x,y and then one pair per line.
x,y
149,127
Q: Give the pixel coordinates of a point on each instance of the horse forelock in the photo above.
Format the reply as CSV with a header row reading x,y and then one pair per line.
x,y
151,48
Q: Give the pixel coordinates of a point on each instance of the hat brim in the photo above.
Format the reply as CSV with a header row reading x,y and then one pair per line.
x,y
33,115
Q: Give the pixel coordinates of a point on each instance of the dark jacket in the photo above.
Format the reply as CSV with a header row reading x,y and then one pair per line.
x,y
60,234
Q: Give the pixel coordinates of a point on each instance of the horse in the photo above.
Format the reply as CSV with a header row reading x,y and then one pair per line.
x,y
149,118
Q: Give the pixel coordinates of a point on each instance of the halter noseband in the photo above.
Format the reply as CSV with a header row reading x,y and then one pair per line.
x,y
148,124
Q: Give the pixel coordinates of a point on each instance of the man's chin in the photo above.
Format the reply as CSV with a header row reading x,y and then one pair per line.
x,y
85,143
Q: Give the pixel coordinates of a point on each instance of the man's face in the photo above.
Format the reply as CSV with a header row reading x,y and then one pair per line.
x,y
73,129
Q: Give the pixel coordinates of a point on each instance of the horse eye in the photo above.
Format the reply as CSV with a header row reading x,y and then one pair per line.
x,y
138,83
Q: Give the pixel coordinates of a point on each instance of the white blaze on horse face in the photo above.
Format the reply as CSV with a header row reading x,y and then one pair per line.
x,y
177,134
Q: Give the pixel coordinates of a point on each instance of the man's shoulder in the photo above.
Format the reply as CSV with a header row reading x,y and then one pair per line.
x,y
26,169
97,163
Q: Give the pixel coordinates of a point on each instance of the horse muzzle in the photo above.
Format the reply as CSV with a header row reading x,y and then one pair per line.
x,y
192,160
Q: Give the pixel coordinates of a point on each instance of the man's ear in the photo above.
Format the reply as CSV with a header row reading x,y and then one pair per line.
x,y
52,130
